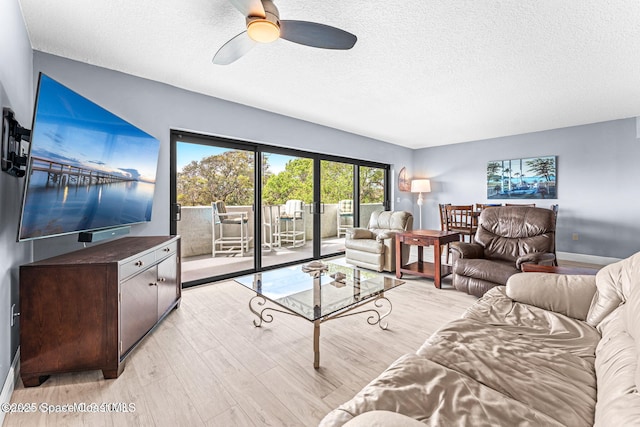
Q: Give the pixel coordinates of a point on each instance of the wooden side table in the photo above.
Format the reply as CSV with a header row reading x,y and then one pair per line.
x,y
422,238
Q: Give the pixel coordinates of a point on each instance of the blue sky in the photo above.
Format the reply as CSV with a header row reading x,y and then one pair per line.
x,y
71,129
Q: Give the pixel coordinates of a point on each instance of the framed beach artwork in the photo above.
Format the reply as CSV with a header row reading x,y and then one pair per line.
x,y
404,183
528,178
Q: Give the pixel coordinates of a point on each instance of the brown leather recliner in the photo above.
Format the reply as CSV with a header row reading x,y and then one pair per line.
x,y
374,247
507,237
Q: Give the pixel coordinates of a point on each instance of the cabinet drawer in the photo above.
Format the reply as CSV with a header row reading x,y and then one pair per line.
x,y
419,241
166,250
139,264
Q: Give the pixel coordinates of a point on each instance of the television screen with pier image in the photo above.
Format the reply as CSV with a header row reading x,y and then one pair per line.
x,y
88,169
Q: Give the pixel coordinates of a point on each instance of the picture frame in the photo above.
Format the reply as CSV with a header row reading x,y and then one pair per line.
x,y
404,183
524,178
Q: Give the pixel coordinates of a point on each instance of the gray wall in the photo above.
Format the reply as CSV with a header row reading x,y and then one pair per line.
x,y
157,108
16,92
598,175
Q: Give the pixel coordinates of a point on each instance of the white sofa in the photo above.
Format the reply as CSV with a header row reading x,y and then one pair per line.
x,y
545,349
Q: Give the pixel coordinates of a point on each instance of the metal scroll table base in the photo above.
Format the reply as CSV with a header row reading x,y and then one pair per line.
x,y
257,305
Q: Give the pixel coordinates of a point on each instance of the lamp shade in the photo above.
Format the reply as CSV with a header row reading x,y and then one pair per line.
x,y
420,186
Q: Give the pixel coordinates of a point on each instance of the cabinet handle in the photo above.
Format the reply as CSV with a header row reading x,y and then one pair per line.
x,y
139,264
153,284
162,279
166,249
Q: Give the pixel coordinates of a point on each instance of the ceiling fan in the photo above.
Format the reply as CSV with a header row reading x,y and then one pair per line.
x,y
265,26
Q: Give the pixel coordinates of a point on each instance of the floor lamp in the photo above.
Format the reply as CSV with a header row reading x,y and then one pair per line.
x,y
420,186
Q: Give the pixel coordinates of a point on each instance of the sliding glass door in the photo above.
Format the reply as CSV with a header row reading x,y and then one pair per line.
x,y
242,207
336,204
215,189
286,208
373,196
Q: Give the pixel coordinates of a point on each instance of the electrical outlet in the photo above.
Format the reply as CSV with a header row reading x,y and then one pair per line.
x,y
575,236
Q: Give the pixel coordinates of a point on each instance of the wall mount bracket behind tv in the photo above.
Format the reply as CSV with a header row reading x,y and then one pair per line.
x,y
14,154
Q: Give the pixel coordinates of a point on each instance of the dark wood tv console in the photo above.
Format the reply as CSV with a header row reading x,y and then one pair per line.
x,y
86,310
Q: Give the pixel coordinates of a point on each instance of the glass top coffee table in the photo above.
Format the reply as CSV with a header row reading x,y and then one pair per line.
x,y
319,292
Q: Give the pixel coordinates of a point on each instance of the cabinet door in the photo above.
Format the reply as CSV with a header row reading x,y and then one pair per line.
x,y
167,284
138,307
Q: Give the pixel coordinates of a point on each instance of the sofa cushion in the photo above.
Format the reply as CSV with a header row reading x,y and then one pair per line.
x,y
365,245
608,294
395,220
360,233
550,329
616,363
437,396
570,295
616,312
483,269
547,379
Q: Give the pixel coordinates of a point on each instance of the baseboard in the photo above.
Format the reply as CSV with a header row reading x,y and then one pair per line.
x,y
9,383
589,259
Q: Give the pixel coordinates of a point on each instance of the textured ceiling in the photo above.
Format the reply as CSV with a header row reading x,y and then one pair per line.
x,y
423,73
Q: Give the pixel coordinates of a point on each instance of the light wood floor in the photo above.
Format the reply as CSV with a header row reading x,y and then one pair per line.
x,y
207,365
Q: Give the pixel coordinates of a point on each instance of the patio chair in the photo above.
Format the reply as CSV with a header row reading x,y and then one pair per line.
x,y
223,220
270,215
291,226
344,216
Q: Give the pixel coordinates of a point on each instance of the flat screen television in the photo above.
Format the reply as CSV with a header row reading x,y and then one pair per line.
x,y
88,169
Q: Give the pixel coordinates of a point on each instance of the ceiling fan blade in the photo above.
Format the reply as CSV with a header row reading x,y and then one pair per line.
x,y
249,7
316,35
234,49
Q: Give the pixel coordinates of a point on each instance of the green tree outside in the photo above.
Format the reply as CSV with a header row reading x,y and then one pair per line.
x,y
295,182
230,177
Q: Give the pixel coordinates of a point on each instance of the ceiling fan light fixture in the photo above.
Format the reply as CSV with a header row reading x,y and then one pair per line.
x,y
263,30
264,26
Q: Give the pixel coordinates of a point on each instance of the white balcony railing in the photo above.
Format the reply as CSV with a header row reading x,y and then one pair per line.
x,y
196,230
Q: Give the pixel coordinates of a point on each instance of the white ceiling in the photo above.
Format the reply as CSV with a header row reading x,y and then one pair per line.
x,y
423,73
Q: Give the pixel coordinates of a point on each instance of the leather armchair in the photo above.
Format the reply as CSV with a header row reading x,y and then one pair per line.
x,y
374,247
507,237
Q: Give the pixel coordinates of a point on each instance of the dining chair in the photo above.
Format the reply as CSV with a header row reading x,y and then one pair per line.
x,y
443,215
482,206
460,218
444,225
